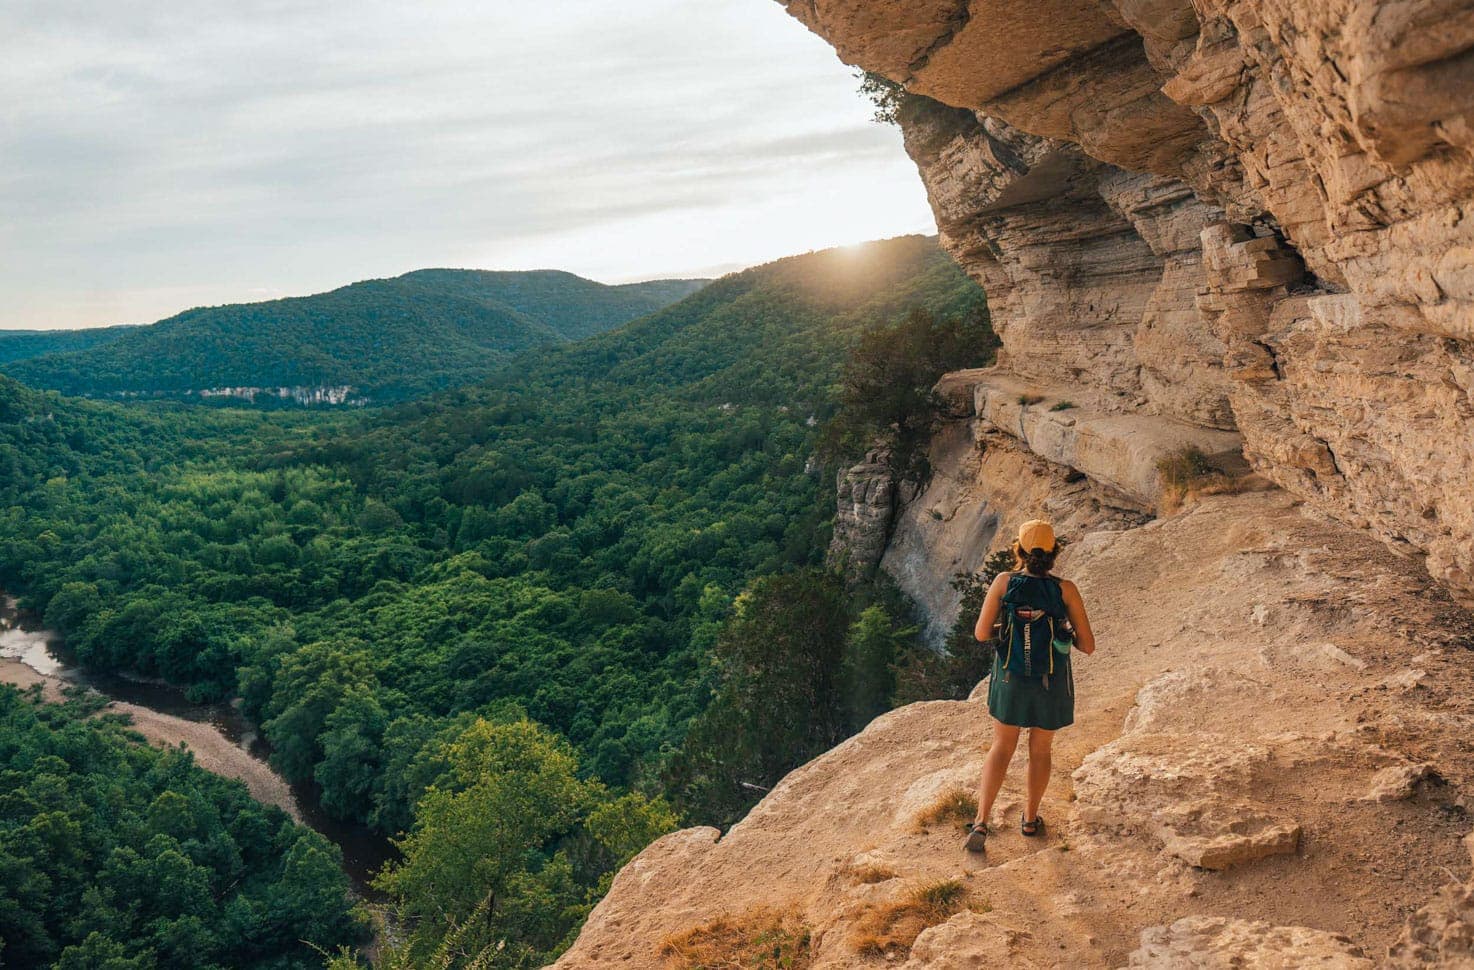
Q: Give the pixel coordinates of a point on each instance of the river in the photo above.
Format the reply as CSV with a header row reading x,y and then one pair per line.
x,y
222,740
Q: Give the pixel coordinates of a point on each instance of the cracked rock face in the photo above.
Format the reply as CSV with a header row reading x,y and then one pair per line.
x,y
1253,215
1215,943
866,501
1440,934
1193,797
970,940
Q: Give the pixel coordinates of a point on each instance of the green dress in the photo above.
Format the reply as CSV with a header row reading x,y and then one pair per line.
x,y
1025,702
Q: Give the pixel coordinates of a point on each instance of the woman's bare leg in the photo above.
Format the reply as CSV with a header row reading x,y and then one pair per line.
x,y
1040,750
1000,753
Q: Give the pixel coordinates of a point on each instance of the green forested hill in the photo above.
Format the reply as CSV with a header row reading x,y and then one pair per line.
x,y
514,592
388,339
22,344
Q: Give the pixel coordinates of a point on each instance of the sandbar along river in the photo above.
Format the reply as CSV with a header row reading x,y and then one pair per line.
x,y
222,740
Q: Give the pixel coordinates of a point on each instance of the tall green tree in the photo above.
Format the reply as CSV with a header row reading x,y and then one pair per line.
x,y
476,840
779,696
873,647
886,394
309,688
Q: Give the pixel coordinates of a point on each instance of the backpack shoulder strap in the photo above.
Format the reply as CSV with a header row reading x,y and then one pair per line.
x,y
1059,592
1015,582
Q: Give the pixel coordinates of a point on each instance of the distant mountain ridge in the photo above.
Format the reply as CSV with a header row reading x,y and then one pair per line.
x,y
386,339
24,344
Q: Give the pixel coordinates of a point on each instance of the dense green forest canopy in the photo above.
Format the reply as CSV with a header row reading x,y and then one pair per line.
x,y
388,339
22,344
116,854
541,576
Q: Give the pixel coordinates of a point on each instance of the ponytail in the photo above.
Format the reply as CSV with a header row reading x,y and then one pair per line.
x,y
1037,562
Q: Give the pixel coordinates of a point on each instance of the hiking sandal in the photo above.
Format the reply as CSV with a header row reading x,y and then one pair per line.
x,y
977,837
1033,828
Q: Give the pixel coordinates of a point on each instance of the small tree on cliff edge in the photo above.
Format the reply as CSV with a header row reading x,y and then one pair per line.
x,y
885,94
796,674
886,388
953,673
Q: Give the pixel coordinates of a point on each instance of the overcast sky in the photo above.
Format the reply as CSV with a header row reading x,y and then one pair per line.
x,y
161,155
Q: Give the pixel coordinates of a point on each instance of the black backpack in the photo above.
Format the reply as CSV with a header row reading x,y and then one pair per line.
x,y
1033,626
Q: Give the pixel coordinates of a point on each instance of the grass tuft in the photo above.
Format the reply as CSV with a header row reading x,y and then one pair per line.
x,y
945,896
1185,468
1188,472
889,929
1062,405
761,939
872,874
955,805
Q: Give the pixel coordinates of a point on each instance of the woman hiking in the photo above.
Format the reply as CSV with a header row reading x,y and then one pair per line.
x,y
1039,618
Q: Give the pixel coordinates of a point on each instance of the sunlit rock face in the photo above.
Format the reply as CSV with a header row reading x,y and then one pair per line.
x,y
1253,215
1257,776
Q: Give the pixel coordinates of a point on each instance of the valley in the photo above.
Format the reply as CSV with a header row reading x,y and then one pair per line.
x,y
504,620
544,563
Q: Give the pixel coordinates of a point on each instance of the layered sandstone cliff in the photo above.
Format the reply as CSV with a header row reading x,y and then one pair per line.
x,y
982,488
1244,227
1252,216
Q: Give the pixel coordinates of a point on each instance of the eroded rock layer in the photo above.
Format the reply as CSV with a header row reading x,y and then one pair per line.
x,y
1253,216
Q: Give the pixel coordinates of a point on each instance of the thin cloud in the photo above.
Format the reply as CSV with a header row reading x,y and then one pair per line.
x,y
160,155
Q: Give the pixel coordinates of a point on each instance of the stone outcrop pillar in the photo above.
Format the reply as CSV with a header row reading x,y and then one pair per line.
x,y
865,510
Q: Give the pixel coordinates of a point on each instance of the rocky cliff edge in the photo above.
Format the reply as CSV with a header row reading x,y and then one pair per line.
x,y
1270,767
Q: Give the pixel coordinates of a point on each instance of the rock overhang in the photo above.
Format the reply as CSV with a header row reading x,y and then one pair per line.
x,y
1162,199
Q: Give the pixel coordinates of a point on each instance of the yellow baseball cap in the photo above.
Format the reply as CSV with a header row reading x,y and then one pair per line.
x,y
1036,534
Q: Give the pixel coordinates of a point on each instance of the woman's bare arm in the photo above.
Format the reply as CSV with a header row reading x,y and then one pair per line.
x,y
991,606
1075,607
